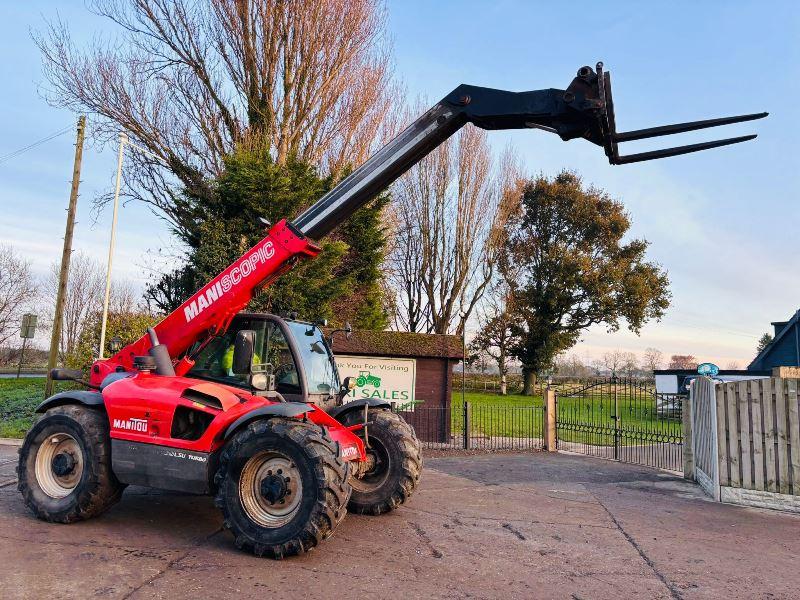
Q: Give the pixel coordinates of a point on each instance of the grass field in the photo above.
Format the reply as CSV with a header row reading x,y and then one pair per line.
x,y
584,420
18,399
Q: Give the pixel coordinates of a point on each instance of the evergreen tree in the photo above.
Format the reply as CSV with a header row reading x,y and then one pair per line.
x,y
341,284
764,341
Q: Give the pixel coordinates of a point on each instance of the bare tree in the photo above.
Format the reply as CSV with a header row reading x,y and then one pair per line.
x,y
17,290
124,297
652,360
452,208
187,80
570,365
84,298
733,365
629,364
404,272
83,295
613,360
497,332
682,361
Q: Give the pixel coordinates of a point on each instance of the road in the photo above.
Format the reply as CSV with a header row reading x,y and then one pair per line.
x,y
491,526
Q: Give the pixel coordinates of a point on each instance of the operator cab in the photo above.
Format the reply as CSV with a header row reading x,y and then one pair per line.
x,y
294,352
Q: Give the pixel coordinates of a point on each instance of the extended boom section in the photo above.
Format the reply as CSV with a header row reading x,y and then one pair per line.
x,y
584,110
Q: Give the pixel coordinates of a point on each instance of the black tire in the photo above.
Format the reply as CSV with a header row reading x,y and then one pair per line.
x,y
88,487
320,482
398,464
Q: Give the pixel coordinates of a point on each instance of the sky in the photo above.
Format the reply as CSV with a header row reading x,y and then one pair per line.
x,y
723,223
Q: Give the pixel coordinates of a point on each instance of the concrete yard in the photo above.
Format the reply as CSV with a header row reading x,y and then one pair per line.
x,y
489,526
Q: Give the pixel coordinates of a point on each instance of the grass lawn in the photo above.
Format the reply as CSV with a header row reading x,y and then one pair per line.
x,y
18,399
584,420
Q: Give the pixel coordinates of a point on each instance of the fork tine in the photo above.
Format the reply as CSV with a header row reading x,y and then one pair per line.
x,y
650,132
652,155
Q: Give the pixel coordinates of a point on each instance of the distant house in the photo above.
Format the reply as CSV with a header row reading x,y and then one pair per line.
x,y
676,381
783,350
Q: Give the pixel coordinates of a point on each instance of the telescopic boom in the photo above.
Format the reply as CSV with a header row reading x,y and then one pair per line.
x,y
584,110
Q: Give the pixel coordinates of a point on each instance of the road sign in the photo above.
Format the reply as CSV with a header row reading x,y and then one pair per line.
x,y
26,332
709,369
391,379
28,328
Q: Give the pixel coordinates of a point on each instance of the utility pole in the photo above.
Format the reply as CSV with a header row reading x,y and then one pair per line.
x,y
122,141
66,254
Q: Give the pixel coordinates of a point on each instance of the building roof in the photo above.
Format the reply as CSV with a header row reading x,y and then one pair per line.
x,y
398,343
789,328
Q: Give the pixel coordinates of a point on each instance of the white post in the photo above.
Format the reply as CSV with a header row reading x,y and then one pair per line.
x,y
122,140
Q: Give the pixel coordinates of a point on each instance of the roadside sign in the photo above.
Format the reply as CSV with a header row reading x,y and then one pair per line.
x,y
28,328
391,379
709,369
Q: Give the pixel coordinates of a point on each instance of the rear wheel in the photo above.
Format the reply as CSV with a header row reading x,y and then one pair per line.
x,y
282,487
65,465
393,467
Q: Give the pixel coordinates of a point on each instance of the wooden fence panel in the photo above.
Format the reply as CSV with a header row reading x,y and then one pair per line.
x,y
794,433
770,460
758,435
723,433
784,451
745,451
758,409
735,454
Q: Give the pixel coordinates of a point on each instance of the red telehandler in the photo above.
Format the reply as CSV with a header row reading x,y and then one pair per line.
x,y
249,407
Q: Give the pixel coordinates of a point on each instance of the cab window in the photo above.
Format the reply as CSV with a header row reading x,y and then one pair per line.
x,y
215,360
279,356
318,362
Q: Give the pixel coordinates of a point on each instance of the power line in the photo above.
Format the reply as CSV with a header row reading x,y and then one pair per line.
x,y
52,136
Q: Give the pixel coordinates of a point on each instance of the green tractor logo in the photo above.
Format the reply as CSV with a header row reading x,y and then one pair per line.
x,y
367,378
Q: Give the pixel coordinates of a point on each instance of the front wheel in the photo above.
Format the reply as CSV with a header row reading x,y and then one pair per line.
x,y
65,465
282,487
393,467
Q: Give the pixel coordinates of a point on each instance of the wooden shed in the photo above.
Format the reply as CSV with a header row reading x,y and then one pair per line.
x,y
433,357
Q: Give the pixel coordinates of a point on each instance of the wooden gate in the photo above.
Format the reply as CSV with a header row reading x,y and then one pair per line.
x,y
704,435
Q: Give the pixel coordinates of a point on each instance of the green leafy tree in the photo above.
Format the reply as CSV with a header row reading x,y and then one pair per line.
x,y
342,283
568,268
128,326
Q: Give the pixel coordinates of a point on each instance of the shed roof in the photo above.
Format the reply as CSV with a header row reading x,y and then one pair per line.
x,y
398,343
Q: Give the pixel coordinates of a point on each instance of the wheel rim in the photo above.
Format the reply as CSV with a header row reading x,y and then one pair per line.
x,y
59,465
270,489
378,473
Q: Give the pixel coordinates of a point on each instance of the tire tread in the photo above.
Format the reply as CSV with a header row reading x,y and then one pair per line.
x,y
333,489
102,489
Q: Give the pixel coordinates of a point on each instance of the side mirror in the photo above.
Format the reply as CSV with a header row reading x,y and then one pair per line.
x,y
348,385
348,331
243,350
